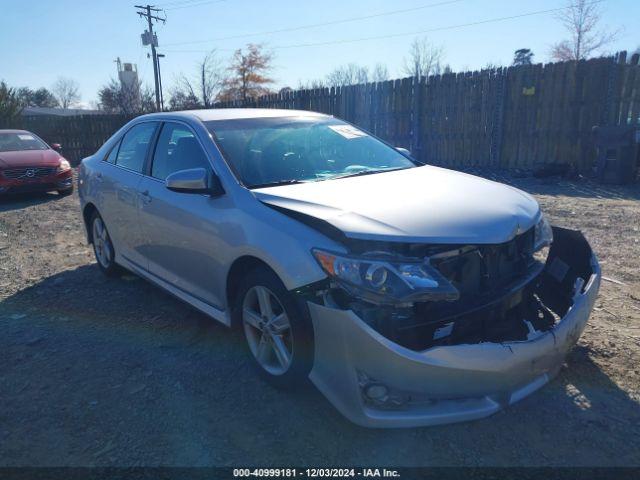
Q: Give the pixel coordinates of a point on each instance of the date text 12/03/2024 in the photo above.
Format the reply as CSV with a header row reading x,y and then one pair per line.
x,y
316,472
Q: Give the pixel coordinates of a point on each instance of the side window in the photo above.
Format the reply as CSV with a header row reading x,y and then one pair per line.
x,y
111,158
134,146
177,149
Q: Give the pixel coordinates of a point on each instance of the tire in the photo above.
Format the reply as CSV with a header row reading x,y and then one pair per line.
x,y
103,247
291,329
65,193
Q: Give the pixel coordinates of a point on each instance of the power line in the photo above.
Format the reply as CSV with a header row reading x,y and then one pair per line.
x,y
323,24
183,2
200,3
165,5
406,34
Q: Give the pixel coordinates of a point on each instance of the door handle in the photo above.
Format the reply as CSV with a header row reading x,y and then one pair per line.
x,y
146,198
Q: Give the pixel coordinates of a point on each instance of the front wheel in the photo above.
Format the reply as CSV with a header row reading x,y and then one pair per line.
x,y
103,247
276,327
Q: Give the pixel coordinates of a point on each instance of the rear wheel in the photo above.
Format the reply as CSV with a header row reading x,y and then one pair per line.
x,y
276,327
102,246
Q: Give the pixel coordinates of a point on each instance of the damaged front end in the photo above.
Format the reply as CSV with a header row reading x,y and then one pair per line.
x,y
497,327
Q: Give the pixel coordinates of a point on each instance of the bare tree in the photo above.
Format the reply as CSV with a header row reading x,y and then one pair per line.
x,y
126,99
249,71
181,100
147,99
312,84
424,59
380,73
349,74
205,87
66,91
581,18
490,66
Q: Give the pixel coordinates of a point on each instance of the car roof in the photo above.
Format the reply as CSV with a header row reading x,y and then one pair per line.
x,y
237,113
15,131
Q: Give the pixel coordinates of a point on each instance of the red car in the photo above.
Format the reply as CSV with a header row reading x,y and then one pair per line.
x,y
28,164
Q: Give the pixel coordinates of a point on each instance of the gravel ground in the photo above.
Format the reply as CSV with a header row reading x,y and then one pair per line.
x,y
113,372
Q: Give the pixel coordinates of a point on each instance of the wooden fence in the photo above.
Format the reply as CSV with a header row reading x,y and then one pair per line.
x,y
515,117
80,136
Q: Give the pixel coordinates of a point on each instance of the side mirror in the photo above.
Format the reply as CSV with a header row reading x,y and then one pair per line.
x,y
404,151
56,146
195,180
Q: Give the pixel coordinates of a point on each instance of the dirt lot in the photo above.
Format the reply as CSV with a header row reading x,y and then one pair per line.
x,y
97,371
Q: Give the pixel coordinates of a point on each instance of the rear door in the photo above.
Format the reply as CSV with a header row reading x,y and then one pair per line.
x,y
181,229
120,181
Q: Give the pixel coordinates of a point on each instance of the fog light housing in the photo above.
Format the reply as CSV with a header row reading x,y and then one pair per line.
x,y
377,395
376,392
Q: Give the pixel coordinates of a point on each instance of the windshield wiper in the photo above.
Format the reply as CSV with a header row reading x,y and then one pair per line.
x,y
367,172
276,183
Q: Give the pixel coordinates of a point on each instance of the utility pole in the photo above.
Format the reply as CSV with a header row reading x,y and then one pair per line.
x,y
159,56
150,38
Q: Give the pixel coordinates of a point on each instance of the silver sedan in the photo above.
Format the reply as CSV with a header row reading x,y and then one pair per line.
x,y
409,294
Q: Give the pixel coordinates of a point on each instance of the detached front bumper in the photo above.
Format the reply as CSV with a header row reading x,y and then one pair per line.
x,y
443,384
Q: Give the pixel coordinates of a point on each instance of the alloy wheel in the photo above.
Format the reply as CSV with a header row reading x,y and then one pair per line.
x,y
101,243
268,330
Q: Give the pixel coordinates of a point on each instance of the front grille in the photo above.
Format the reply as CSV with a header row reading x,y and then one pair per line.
x,y
27,173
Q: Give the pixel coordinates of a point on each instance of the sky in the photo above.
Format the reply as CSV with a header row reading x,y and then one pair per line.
x,y
41,40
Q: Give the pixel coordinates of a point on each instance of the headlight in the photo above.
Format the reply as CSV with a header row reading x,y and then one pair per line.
x,y
64,166
543,240
386,280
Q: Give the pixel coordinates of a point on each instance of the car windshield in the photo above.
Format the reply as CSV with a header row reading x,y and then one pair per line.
x,y
274,151
16,141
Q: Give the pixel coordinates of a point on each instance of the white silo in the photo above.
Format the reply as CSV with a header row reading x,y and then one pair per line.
x,y
128,76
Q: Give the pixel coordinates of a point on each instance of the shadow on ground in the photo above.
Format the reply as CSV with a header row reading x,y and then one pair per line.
x,y
19,201
100,371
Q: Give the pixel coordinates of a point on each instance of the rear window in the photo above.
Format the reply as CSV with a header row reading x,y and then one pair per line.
x,y
135,145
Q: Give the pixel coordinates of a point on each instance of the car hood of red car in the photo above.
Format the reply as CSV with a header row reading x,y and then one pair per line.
x,y
29,158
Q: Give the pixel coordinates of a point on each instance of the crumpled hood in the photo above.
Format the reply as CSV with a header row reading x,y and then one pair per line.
x,y
29,158
423,205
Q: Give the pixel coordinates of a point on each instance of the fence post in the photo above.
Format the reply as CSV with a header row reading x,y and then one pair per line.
x,y
416,107
612,80
498,118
